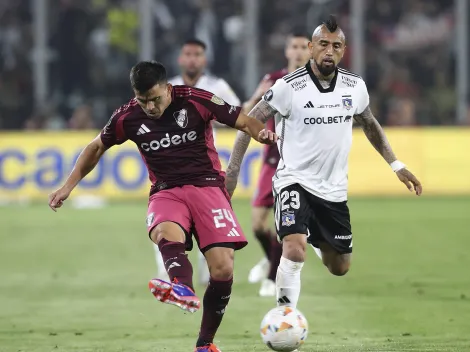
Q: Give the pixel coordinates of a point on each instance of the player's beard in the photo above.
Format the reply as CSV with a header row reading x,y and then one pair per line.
x,y
325,70
192,74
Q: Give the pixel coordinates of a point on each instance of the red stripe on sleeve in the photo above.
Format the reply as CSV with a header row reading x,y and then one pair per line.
x,y
120,133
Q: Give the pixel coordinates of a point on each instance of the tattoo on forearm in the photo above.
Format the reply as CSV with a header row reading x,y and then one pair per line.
x,y
375,134
262,112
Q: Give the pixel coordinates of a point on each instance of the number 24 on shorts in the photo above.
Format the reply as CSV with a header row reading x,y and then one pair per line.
x,y
222,217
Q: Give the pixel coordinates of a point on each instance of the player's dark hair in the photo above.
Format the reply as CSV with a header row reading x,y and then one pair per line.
x,y
194,41
146,74
331,23
299,34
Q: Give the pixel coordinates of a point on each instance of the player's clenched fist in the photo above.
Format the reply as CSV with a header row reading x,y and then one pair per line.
x,y
267,137
56,199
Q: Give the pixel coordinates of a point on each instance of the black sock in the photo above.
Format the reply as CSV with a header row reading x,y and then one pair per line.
x,y
215,300
176,262
265,240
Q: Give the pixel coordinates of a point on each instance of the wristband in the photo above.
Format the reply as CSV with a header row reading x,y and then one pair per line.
x,y
397,165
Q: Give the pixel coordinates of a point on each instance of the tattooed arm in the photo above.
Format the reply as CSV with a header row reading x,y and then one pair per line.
x,y
262,112
376,136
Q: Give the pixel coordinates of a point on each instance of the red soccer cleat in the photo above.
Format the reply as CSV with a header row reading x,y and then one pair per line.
x,y
208,348
175,293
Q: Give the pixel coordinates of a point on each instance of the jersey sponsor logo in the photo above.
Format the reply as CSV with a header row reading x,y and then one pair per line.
x,y
342,237
181,118
216,100
288,218
299,85
327,120
347,102
168,141
150,218
349,81
309,105
329,106
268,95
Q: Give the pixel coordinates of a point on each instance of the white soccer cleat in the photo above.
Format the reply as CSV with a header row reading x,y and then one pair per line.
x,y
268,288
259,271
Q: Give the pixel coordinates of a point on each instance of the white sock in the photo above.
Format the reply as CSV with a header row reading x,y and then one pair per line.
x,y
318,252
203,270
159,259
288,282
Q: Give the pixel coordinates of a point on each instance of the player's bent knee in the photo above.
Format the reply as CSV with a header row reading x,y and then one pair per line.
x,y
167,230
294,247
340,266
338,270
220,262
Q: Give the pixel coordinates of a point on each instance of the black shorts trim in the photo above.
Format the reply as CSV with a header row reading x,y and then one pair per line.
x,y
221,244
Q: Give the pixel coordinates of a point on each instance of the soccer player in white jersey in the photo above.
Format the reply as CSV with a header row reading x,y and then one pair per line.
x,y
317,104
192,61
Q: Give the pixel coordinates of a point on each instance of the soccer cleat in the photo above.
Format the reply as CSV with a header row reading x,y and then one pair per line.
x,y
268,288
259,271
207,348
175,293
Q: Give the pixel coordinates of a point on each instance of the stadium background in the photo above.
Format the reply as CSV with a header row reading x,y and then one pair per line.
x,y
76,280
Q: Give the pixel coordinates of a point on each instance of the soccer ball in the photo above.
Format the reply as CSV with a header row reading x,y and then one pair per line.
x,y
284,329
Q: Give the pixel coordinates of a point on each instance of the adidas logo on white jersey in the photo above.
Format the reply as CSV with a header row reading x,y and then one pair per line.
x,y
143,130
309,105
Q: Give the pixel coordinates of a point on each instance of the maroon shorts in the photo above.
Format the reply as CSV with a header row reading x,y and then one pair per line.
x,y
264,192
204,212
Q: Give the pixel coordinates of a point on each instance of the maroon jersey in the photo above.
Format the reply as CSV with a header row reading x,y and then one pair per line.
x,y
178,148
271,153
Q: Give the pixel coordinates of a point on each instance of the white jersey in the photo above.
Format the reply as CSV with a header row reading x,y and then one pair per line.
x,y
316,130
212,84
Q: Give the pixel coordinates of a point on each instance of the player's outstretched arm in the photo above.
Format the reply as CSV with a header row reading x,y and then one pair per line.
x,y
377,138
262,112
86,162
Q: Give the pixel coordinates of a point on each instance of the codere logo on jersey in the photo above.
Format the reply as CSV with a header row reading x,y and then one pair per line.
x,y
168,140
327,120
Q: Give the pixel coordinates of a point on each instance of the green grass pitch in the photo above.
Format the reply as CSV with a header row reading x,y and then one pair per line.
x,y
77,281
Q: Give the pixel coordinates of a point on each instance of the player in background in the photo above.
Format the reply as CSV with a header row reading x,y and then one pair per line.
x,y
313,108
171,127
297,55
193,62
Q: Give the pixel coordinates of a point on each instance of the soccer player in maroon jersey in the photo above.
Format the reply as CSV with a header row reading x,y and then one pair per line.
x,y
297,55
171,128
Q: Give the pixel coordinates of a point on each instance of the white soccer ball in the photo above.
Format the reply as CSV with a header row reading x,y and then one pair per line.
x,y
284,329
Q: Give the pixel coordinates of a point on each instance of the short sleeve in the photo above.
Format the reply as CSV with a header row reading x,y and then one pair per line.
x,y
279,97
211,107
362,97
225,92
113,133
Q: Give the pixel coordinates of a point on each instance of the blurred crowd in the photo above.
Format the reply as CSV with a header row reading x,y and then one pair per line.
x,y
409,57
